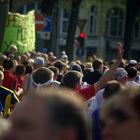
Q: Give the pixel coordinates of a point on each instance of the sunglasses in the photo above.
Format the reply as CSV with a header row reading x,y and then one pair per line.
x,y
119,116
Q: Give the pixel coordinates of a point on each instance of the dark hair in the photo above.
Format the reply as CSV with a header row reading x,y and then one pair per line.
x,y
96,64
20,70
111,89
26,62
8,64
29,69
86,71
55,70
71,78
59,64
132,72
42,75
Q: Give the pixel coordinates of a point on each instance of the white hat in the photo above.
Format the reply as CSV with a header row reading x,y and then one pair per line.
x,y
132,62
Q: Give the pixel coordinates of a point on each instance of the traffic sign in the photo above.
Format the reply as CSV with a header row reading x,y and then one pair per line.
x,y
48,21
43,23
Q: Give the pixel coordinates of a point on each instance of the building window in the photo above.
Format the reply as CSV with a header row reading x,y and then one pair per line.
x,y
115,23
22,10
65,21
92,21
27,8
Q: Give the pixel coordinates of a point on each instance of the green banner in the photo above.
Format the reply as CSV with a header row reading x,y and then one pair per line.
x,y
20,30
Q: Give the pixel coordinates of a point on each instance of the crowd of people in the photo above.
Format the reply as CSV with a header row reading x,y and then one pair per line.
x,y
45,97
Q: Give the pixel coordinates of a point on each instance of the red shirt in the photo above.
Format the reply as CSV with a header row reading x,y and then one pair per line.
x,y
87,92
19,82
9,80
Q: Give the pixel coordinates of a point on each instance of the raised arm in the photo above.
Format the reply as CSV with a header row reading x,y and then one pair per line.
x,y
108,75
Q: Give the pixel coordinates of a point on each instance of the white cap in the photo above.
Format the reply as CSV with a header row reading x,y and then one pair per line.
x,y
133,62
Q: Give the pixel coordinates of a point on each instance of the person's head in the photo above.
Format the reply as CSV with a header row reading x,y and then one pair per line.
x,y
51,57
20,70
2,58
60,65
49,115
1,77
18,58
8,64
121,76
132,63
24,58
42,77
98,65
132,73
111,88
13,49
76,67
88,65
28,69
64,58
55,70
72,80
121,116
38,62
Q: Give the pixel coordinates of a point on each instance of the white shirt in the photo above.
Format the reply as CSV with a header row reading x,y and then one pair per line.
x,y
97,101
132,84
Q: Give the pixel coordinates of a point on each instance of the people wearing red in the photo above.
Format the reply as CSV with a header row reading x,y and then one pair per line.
x,y
87,92
73,79
19,73
9,79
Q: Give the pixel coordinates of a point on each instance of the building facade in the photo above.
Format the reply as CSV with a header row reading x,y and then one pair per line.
x,y
104,26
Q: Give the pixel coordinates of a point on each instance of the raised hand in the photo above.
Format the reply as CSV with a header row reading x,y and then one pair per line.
x,y
120,51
